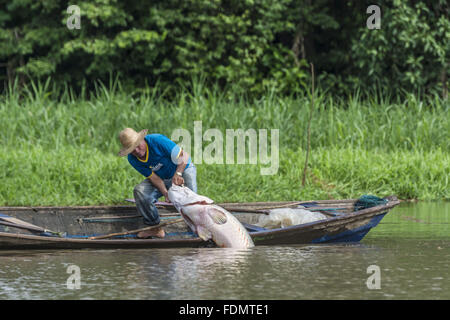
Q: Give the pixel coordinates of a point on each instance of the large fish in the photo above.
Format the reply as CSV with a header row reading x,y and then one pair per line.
x,y
208,220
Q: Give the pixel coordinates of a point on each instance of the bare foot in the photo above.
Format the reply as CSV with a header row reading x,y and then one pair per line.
x,y
158,232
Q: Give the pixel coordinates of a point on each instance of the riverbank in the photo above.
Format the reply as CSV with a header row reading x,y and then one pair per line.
x,y
88,176
62,151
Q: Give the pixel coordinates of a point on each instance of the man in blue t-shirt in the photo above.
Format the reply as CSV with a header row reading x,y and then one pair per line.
x,y
162,163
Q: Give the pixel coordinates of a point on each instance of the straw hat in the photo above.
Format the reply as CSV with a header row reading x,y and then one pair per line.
x,y
130,139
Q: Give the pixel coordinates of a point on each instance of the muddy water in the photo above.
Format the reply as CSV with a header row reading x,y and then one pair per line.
x,y
405,257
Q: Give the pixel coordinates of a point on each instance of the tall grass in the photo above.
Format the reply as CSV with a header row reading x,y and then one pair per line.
x,y
389,125
74,176
59,147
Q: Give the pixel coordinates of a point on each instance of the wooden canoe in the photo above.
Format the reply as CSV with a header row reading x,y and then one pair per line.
x,y
78,224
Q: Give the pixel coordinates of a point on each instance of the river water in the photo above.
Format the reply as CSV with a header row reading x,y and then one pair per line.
x,y
405,257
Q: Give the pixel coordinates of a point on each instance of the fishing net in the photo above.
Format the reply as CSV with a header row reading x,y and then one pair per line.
x,y
368,201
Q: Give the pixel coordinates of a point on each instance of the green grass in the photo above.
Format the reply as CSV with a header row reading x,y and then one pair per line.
x,y
34,176
59,149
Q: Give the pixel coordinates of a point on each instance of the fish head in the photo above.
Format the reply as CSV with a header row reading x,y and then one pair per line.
x,y
183,196
203,219
194,216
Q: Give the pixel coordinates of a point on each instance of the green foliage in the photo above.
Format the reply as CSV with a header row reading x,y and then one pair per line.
x,y
51,115
165,41
60,149
72,176
62,104
249,45
411,50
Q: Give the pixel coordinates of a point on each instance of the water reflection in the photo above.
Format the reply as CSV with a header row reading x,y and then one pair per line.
x,y
420,220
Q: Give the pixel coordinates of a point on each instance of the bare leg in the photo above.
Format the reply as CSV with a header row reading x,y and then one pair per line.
x,y
158,232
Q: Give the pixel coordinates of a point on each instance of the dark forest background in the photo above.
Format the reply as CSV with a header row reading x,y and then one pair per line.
x,y
250,45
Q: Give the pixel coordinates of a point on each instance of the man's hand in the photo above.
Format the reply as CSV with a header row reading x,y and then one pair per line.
x,y
166,196
159,184
177,180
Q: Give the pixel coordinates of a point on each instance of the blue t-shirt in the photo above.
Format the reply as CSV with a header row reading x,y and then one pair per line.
x,y
161,157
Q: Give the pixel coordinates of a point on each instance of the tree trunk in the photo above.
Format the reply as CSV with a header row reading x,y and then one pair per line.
x,y
444,83
298,47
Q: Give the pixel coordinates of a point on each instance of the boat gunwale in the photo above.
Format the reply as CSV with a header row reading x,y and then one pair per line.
x,y
133,207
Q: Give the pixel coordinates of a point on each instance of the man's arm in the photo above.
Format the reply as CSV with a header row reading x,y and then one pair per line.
x,y
183,159
159,184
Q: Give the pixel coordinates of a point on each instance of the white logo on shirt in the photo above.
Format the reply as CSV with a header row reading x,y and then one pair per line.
x,y
157,167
